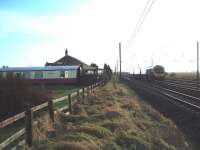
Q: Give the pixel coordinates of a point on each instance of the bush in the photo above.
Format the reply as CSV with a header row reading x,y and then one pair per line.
x,y
15,94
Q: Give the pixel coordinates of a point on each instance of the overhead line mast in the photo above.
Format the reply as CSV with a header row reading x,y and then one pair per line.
x,y
120,61
198,63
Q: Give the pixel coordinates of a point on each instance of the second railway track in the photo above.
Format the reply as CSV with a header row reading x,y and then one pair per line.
x,y
181,95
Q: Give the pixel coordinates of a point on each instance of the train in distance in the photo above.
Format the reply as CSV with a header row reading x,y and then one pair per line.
x,y
155,73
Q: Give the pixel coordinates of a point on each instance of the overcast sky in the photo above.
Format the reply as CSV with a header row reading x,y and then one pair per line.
x,y
33,32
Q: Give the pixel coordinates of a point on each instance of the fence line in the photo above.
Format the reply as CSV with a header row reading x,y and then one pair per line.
x,y
29,114
12,138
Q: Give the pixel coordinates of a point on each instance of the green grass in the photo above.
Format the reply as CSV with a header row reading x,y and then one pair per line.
x,y
61,90
11,129
61,104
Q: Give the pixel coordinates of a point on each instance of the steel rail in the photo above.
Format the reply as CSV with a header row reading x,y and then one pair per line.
x,y
182,86
162,90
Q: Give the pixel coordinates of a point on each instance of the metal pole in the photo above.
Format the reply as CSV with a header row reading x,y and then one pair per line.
x,y
120,61
117,68
152,60
198,63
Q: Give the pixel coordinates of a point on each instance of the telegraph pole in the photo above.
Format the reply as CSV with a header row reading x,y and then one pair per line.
x,y
117,69
198,63
152,61
120,61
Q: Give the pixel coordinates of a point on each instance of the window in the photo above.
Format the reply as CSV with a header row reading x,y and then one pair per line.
x,y
17,74
38,75
26,75
62,74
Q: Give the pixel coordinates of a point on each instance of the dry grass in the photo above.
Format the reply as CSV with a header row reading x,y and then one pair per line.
x,y
113,118
74,146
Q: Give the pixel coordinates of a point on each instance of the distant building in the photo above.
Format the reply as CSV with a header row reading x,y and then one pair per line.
x,y
68,60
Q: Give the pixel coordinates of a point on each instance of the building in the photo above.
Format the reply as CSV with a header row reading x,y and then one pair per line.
x,y
68,60
88,74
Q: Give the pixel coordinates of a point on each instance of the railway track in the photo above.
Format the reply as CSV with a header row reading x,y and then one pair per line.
x,y
183,83
181,87
178,100
180,94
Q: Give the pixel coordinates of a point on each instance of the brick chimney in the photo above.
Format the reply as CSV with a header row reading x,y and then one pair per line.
x,y
66,52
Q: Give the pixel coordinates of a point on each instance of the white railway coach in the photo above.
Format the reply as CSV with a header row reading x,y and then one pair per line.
x,y
48,74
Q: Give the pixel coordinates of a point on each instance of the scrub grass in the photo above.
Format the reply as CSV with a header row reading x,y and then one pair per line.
x,y
113,118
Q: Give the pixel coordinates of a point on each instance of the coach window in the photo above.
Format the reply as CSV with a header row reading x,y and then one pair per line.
x,y
38,75
66,74
17,74
9,74
62,74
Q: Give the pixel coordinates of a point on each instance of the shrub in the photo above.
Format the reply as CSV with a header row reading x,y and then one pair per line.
x,y
16,93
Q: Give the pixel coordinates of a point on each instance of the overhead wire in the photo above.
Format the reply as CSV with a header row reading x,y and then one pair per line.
x,y
141,20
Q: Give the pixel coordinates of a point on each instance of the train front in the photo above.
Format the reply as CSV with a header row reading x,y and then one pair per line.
x,y
159,72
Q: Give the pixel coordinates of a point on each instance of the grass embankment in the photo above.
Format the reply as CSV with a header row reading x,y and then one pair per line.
x,y
111,119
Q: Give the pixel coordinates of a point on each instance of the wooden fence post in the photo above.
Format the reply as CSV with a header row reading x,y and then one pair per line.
x,y
78,96
51,110
88,91
70,103
29,126
83,94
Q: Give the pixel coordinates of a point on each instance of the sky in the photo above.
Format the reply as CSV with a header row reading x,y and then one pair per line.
x,y
34,32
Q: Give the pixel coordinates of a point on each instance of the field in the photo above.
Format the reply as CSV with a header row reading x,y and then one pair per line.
x,y
61,90
113,118
182,75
